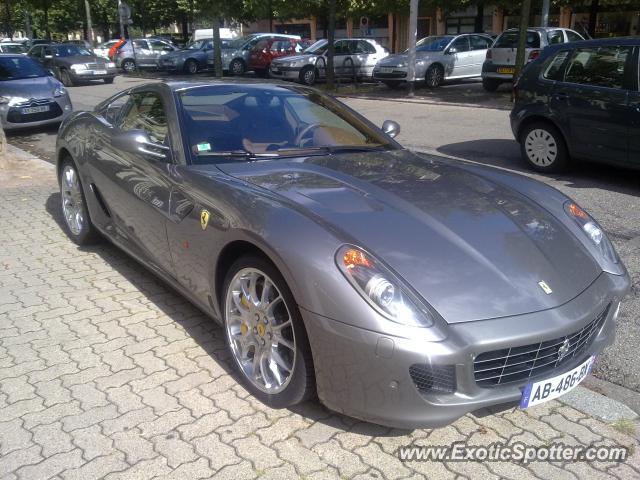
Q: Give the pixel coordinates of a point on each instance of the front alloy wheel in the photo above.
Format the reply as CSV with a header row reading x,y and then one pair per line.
x,y
434,76
265,334
74,207
237,67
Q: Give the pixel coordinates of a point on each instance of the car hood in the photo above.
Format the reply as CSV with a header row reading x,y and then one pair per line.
x,y
41,87
394,60
473,248
181,53
295,58
79,59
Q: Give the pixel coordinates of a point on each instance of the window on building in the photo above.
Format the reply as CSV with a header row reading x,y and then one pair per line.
x,y
457,25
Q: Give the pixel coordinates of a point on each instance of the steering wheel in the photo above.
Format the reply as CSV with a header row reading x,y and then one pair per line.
x,y
304,132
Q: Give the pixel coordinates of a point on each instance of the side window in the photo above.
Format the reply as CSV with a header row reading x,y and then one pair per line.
x,y
146,112
50,51
140,44
553,70
460,44
36,52
602,67
158,46
479,43
573,36
555,36
364,47
342,47
116,109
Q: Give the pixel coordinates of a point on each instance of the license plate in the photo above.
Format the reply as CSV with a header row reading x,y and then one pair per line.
x,y
507,70
99,72
545,390
28,110
386,70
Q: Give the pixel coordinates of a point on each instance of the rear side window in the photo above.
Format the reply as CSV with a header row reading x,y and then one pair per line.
x,y
553,70
555,36
573,36
602,67
510,40
479,43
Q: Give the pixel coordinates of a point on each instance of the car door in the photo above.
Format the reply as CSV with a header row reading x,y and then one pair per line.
x,y
479,46
142,53
158,49
460,51
133,179
634,110
342,61
593,100
365,58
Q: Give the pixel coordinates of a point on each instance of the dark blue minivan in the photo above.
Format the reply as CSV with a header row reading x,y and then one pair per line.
x,y
580,101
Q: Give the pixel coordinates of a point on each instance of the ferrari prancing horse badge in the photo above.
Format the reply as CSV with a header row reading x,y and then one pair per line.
x,y
204,219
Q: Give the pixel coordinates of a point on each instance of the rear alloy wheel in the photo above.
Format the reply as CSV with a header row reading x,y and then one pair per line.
x,y
490,84
237,67
434,76
542,145
191,67
266,335
128,65
74,206
308,75
65,78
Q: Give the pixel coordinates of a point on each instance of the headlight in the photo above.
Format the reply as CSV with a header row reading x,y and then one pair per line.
x,y
592,230
59,91
11,101
111,65
78,66
381,288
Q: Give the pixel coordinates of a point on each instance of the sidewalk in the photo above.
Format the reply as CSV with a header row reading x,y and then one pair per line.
x,y
107,373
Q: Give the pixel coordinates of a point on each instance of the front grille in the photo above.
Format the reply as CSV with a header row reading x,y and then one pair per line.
x,y
15,115
394,74
433,378
509,365
34,102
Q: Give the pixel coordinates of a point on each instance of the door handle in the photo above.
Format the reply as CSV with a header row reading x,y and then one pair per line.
x,y
560,96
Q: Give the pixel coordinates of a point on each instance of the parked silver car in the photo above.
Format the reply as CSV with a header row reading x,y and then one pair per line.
x,y
235,56
29,95
145,53
354,57
102,50
500,63
438,58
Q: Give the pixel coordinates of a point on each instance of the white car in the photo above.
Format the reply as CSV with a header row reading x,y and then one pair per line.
x,y
102,50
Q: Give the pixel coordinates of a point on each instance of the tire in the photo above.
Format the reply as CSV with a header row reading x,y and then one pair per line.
x,y
191,66
237,67
65,78
75,213
251,330
109,80
543,147
490,84
392,85
308,75
128,65
434,76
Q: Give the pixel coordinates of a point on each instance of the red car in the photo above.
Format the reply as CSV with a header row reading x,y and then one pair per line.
x,y
266,50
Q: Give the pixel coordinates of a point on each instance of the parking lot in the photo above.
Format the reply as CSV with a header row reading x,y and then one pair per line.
x,y
107,373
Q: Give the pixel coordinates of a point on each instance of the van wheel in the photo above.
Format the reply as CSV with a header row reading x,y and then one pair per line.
x,y
490,85
543,147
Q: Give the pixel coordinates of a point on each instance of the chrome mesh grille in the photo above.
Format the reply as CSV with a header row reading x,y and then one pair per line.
x,y
433,378
516,364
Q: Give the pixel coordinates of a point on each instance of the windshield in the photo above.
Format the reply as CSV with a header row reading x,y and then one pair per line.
x,y
16,68
197,45
432,44
227,121
71,51
510,40
12,48
317,48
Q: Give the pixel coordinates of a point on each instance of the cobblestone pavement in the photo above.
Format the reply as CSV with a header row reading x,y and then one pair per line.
x,y
106,373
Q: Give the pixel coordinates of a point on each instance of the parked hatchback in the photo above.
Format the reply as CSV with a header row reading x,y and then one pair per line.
x,y
500,64
353,57
235,55
142,53
580,101
438,58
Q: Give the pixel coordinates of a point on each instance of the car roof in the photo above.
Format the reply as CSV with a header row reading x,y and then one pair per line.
x,y
181,85
538,29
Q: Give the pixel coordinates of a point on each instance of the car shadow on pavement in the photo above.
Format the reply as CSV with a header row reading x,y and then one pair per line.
x,y
506,154
203,329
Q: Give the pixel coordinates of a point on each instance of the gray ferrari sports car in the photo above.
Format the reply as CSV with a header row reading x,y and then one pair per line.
x,y
404,289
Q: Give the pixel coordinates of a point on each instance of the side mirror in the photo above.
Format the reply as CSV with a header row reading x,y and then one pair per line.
x,y
391,128
452,50
138,141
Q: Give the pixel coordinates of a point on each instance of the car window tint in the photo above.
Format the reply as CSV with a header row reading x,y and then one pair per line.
x,y
510,40
573,36
555,36
603,67
461,44
146,112
479,43
341,48
364,47
553,70
158,46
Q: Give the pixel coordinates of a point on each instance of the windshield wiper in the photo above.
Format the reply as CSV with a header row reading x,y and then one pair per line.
x,y
238,154
328,149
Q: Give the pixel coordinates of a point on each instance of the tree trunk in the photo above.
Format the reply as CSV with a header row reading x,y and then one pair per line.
x,y
217,48
479,24
331,47
47,30
593,17
522,43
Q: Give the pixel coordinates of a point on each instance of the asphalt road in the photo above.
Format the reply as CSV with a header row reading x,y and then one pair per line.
x,y
460,120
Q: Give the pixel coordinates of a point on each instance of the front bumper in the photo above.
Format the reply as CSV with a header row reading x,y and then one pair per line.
x,y
366,375
85,75
285,73
396,74
12,118
490,70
